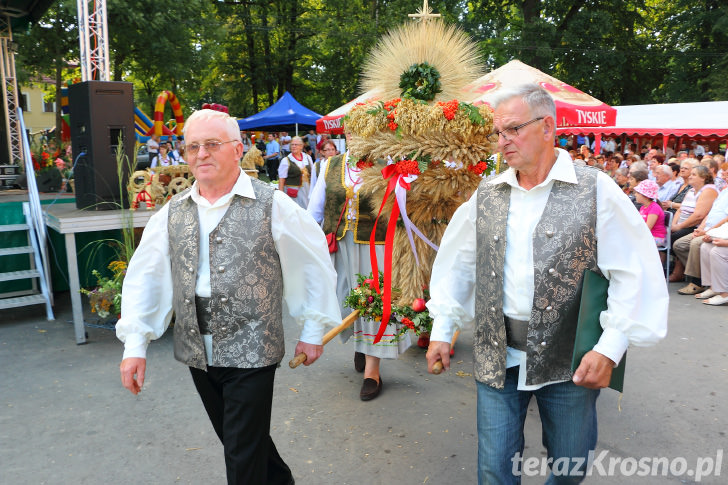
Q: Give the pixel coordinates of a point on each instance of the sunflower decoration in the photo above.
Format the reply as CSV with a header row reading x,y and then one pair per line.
x,y
437,145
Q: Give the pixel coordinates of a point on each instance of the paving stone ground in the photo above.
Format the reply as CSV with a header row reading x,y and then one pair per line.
x,y
65,419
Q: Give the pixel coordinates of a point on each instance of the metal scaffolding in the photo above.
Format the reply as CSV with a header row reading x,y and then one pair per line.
x,y
94,40
10,92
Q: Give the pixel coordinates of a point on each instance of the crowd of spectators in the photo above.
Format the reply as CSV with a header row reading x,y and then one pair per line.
x,y
690,184
275,146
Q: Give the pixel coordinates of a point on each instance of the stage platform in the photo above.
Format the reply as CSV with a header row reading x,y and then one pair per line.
x,y
71,249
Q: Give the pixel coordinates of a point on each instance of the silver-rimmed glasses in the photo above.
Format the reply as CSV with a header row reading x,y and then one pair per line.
x,y
512,132
211,146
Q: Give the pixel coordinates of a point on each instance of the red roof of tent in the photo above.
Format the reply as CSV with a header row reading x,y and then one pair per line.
x,y
573,107
331,123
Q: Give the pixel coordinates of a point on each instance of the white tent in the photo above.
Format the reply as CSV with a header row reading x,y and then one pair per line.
x,y
706,121
331,123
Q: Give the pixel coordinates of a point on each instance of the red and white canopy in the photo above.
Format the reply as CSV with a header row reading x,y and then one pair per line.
x,y
706,120
573,107
331,123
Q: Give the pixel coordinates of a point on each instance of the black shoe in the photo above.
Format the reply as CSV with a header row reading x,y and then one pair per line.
x,y
360,361
370,389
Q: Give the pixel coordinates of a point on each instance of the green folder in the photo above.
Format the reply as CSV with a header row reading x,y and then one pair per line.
x,y
588,328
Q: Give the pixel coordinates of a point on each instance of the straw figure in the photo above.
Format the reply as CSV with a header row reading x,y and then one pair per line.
x,y
439,146
252,160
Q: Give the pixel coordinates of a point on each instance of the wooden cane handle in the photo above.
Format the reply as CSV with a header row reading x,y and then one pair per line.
x,y
301,358
437,367
347,322
297,360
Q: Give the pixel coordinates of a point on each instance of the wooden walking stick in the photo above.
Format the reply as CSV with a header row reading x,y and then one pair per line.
x,y
345,323
437,366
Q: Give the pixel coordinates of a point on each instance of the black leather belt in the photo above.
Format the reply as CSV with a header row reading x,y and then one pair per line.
x,y
516,333
204,314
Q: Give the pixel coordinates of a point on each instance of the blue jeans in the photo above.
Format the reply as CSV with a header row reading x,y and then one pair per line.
x,y
569,428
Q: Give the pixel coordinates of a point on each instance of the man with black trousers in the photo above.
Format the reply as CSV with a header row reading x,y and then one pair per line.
x,y
233,258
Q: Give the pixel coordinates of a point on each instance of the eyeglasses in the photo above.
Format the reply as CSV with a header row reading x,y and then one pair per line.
x,y
210,146
512,132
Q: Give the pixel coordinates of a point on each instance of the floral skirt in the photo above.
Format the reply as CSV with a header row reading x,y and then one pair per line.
x,y
350,259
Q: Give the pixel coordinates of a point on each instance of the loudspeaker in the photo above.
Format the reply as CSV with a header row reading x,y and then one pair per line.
x,y
102,115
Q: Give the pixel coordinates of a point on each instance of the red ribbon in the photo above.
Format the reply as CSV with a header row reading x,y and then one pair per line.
x,y
389,172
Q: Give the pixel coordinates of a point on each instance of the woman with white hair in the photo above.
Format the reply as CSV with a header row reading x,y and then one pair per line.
x,y
294,173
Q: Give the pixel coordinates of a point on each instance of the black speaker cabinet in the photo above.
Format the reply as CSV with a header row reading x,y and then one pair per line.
x,y
102,116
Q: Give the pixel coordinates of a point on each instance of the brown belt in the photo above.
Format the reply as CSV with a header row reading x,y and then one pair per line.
x,y
516,333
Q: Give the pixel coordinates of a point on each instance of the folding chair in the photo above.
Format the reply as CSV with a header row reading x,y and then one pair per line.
x,y
668,243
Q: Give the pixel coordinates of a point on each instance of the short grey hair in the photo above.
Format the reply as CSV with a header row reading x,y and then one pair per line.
x,y
704,173
538,100
639,174
666,169
231,125
711,163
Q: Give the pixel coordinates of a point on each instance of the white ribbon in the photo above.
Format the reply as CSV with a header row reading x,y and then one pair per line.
x,y
401,194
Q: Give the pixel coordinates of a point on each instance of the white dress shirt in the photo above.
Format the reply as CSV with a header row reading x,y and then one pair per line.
x,y
637,299
668,190
286,162
309,279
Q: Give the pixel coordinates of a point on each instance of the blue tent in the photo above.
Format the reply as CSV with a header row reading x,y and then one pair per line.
x,y
284,114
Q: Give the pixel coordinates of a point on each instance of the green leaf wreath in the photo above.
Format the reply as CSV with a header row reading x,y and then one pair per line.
x,y
420,81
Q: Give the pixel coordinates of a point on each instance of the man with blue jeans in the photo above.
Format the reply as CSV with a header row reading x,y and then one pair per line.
x,y
272,157
512,261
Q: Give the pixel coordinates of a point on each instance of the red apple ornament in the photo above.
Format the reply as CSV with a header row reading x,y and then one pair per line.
x,y
418,305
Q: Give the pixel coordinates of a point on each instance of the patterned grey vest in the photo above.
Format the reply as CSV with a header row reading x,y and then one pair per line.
x,y
245,278
564,245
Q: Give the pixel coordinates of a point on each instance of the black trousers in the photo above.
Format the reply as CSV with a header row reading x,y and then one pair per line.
x,y
271,168
238,402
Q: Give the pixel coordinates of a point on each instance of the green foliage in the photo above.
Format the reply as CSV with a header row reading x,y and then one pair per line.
x,y
105,298
420,81
473,113
44,49
159,46
365,298
246,53
423,161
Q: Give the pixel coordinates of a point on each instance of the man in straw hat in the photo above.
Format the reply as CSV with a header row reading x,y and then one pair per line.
x,y
512,260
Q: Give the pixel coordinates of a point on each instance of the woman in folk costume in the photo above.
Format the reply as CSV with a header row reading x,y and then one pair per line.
x,y
294,173
337,204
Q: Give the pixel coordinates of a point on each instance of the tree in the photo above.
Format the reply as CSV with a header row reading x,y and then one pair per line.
x,y
246,53
46,48
156,44
693,42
